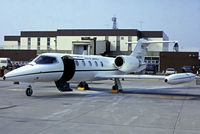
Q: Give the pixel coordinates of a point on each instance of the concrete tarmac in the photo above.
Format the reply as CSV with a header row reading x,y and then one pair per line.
x,y
145,106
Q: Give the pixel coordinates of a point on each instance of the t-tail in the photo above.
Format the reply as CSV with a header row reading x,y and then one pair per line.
x,y
141,48
135,61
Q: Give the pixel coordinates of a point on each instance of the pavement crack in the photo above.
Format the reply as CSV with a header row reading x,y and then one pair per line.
x,y
7,107
179,114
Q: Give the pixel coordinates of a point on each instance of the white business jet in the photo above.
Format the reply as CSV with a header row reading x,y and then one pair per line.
x,y
64,68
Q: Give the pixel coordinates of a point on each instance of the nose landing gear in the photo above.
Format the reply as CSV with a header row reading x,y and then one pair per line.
x,y
29,91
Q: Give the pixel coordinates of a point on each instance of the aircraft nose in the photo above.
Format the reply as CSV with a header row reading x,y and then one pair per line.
x,y
13,75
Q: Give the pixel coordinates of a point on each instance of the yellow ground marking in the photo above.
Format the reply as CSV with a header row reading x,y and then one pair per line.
x,y
115,91
81,88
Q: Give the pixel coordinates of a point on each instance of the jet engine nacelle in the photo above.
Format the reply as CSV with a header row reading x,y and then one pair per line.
x,y
126,64
180,78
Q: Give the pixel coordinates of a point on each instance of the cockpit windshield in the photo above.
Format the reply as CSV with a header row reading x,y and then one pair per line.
x,y
46,60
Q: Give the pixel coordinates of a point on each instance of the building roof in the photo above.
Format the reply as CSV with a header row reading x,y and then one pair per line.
x,y
11,38
97,32
152,34
87,32
38,33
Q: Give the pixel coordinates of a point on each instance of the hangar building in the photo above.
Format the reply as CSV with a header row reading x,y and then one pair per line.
x,y
109,41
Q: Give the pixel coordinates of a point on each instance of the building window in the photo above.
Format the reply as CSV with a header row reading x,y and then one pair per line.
x,y
118,43
29,43
48,43
18,44
130,44
122,38
84,47
130,47
38,43
106,38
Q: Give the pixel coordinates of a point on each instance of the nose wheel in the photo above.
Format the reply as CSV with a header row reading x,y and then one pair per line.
x,y
29,91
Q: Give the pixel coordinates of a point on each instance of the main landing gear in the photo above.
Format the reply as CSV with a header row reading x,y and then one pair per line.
x,y
83,86
117,87
29,91
63,86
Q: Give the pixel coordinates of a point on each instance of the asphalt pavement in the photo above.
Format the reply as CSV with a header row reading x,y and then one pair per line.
x,y
145,106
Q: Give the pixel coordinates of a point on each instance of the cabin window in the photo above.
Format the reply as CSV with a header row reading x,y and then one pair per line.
x,y
83,62
96,63
90,63
101,64
46,60
77,63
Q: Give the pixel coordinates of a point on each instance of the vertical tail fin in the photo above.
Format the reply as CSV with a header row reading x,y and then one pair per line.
x,y
140,49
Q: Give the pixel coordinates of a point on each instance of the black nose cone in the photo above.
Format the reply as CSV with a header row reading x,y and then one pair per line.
x,y
4,78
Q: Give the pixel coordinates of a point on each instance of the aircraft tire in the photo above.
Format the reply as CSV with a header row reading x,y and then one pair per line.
x,y
29,91
84,85
115,87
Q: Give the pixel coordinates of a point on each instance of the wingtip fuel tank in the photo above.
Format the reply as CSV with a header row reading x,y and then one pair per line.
x,y
180,78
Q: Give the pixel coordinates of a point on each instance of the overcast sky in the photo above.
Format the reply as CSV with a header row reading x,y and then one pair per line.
x,y
179,19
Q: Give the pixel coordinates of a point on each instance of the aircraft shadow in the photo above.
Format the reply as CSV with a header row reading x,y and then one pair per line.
x,y
60,95
171,93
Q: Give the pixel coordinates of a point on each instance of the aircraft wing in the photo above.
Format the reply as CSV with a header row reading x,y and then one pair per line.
x,y
171,79
131,76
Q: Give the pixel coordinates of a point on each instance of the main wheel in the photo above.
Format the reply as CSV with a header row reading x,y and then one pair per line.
x,y
84,85
115,87
29,91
